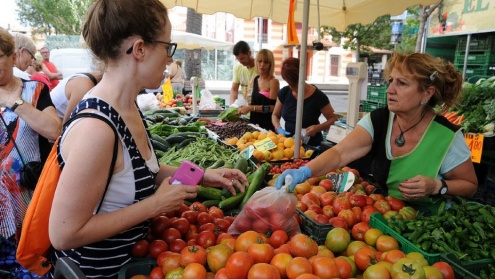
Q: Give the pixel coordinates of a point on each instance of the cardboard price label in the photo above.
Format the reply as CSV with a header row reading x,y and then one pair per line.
x,y
265,144
475,144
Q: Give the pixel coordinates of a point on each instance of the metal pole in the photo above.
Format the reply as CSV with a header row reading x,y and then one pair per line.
x,y
260,33
302,78
466,54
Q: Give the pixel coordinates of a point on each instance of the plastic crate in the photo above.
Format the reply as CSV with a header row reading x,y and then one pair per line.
x,y
371,106
468,270
318,232
484,58
377,94
475,44
143,267
377,221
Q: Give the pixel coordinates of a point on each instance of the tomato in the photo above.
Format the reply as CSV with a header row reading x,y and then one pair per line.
x,y
344,267
170,235
242,223
393,255
140,248
158,225
261,225
278,237
376,272
163,256
310,199
217,256
261,252
280,262
432,272
301,245
325,252
170,262
386,243
392,216
198,206
358,200
349,217
229,218
177,245
190,215
203,218
181,224
192,254
376,197
263,271
174,273
364,257
371,235
284,248
181,209
321,219
194,271
338,222
418,257
221,274
238,265
223,236
407,268
156,247
324,267
340,203
327,184
359,229
395,203
358,211
222,224
445,269
365,216
382,206
206,239
407,213
354,246
207,227
337,240
245,239
157,273
327,198
301,206
298,266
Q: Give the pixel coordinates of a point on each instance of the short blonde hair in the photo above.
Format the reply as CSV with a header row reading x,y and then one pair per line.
x,y
265,55
23,41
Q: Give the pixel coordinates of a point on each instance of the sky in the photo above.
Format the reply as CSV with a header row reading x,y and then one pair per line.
x,y
8,14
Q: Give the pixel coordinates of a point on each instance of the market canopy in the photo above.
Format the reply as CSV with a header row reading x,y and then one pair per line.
x,y
190,41
338,14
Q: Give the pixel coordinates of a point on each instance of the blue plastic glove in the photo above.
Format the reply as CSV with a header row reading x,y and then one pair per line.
x,y
298,176
281,131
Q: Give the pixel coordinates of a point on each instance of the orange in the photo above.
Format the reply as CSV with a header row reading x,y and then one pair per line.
x,y
267,155
232,141
277,155
262,136
256,134
288,152
288,142
258,155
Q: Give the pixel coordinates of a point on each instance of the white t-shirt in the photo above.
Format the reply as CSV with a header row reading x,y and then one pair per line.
x,y
59,99
21,74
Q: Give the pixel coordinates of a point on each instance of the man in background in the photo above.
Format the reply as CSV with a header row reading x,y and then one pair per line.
x,y
244,72
49,68
175,74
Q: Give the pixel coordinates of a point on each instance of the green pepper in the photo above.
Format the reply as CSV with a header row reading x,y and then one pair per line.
x,y
481,232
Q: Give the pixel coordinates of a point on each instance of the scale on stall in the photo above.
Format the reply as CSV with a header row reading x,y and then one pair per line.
x,y
356,73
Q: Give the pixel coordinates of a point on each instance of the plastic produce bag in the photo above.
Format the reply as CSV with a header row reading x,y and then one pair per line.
x,y
207,101
266,211
147,102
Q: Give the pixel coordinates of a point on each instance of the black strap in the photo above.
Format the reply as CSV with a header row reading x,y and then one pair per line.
x,y
91,77
114,156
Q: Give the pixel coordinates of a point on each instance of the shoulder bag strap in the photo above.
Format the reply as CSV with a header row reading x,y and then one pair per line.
x,y
114,156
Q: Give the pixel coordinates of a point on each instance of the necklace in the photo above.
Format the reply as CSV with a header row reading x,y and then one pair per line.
x,y
400,140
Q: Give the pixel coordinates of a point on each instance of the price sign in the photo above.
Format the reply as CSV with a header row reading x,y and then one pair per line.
x,y
475,144
265,144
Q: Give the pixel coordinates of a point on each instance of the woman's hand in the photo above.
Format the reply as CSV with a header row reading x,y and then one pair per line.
x,y
226,178
312,130
244,109
418,187
171,197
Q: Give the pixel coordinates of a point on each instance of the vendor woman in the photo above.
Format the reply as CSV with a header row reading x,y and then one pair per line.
x,y
417,155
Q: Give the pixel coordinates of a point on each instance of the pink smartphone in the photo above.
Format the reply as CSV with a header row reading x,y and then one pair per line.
x,y
188,174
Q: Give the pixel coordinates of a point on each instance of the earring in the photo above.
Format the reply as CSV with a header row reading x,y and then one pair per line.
x,y
422,103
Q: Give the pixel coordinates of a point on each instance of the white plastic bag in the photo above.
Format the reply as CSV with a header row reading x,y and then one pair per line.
x,y
207,101
239,102
147,102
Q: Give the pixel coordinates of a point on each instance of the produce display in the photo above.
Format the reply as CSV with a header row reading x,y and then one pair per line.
x,y
231,129
355,234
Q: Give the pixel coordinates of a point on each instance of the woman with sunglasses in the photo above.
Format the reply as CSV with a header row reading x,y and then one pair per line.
x,y
28,121
133,39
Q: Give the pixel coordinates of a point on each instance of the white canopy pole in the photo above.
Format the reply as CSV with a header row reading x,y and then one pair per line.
x,y
302,79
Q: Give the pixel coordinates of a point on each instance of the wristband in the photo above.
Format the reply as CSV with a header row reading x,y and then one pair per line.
x,y
266,109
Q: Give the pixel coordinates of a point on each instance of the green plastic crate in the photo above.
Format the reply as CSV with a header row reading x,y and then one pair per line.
x,y
318,232
377,94
371,106
377,221
141,267
459,270
468,270
475,44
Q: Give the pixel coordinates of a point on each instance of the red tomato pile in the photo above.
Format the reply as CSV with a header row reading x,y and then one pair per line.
x,y
295,164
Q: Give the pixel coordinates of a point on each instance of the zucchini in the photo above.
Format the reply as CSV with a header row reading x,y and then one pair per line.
x,y
185,142
218,164
159,146
241,164
232,202
209,203
160,139
159,153
227,194
209,193
257,180
173,139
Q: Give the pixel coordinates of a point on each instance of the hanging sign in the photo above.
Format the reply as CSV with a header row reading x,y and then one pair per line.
x,y
475,144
